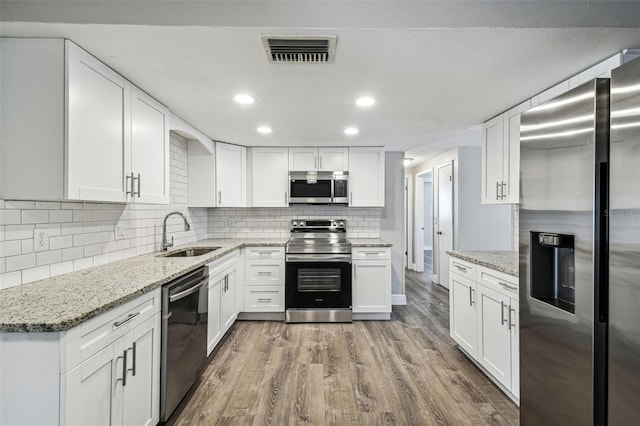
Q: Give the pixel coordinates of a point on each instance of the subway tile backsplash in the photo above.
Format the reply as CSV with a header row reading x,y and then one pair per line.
x,y
80,235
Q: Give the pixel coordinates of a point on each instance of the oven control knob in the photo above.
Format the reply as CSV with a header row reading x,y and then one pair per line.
x,y
334,224
301,223
295,223
342,224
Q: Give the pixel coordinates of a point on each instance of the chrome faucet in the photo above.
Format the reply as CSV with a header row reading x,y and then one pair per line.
x,y
165,243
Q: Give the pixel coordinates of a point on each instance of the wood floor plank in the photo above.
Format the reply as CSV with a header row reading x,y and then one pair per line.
x,y
406,371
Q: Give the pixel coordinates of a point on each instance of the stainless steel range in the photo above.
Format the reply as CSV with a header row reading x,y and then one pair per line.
x,y
318,271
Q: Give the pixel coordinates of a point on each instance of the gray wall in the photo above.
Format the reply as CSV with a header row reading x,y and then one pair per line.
x,y
392,217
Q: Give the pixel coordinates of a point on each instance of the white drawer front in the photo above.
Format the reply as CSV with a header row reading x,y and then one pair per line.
x,y
264,298
498,281
265,272
265,253
224,262
462,268
371,253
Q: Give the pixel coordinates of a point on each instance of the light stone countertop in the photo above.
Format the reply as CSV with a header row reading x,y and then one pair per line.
x,y
503,261
62,302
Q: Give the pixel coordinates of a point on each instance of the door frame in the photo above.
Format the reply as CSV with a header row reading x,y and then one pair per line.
x,y
436,217
408,189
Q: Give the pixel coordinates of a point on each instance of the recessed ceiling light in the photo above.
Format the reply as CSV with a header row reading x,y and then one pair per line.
x,y
244,99
351,131
365,101
407,161
265,130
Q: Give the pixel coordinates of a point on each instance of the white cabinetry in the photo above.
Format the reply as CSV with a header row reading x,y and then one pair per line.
x,y
92,125
501,157
366,177
484,312
231,178
371,283
264,279
321,159
222,298
269,177
105,371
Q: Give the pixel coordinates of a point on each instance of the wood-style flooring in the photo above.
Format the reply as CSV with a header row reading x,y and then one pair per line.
x,y
406,371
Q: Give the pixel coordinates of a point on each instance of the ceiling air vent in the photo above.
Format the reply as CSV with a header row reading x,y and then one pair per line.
x,y
299,49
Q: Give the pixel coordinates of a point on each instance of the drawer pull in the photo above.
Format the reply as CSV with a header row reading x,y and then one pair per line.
x,y
264,273
264,299
126,320
510,287
462,268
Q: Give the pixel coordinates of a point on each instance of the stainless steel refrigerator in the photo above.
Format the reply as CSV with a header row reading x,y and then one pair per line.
x,y
580,255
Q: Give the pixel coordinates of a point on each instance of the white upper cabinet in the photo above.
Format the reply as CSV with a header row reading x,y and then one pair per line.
x,y
84,146
231,161
321,159
366,177
269,177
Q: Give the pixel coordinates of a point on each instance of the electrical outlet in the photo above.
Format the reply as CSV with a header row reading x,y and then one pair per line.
x,y
120,232
232,221
40,240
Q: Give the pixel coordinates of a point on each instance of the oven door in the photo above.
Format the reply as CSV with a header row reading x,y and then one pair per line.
x,y
303,192
314,283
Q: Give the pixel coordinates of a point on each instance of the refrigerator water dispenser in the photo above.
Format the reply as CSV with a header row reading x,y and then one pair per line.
x,y
553,269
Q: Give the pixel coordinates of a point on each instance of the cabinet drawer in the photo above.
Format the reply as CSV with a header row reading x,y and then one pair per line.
x,y
265,253
498,281
224,262
265,272
462,268
264,298
93,335
371,253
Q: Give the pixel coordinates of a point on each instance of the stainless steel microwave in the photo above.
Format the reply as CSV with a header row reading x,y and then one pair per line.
x,y
319,187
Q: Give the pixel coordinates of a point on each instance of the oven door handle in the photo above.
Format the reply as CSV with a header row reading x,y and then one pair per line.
x,y
318,258
187,292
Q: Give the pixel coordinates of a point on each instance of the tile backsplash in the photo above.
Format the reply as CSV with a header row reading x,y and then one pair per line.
x,y
275,222
78,235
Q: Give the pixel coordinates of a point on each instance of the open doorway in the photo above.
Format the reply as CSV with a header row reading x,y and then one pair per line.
x,y
427,179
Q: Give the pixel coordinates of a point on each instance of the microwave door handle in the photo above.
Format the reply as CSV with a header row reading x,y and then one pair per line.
x,y
333,195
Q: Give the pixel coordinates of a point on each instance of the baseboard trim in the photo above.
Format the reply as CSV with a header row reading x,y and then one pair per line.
x,y
398,299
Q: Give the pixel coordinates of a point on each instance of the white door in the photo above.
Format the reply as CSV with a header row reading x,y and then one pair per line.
x,y
463,320
98,135
492,158
230,174
371,291
366,177
214,332
494,336
444,231
149,149
270,177
141,403
333,159
228,300
303,159
94,390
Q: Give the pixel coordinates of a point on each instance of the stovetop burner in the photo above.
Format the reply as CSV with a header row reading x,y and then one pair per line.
x,y
318,236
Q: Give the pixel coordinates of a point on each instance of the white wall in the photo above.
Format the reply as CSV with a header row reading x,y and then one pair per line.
x,y
392,218
428,214
81,234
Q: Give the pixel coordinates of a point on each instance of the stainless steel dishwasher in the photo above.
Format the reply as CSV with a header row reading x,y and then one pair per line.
x,y
184,337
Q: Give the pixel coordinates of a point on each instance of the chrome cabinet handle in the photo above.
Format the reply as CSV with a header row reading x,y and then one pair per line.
x,y
320,163
502,185
462,268
286,199
497,190
350,198
219,198
129,184
470,296
511,324
502,306
510,287
264,273
133,366
264,299
124,368
126,320
138,178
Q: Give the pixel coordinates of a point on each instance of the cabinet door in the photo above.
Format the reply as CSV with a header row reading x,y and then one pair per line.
x,y
214,330
94,389
303,159
270,177
371,286
333,159
510,190
141,393
149,149
98,123
230,175
228,301
366,177
494,336
514,324
462,315
492,159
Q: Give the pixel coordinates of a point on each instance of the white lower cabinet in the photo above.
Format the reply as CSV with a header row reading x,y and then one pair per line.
x,y
484,321
228,311
371,281
222,298
214,329
264,279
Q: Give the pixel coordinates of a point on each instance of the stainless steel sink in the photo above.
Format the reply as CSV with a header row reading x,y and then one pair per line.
x,y
191,252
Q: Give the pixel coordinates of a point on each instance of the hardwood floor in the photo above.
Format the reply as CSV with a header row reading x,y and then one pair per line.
x,y
405,371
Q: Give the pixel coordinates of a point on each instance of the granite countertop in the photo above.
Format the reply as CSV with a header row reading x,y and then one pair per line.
x,y
369,242
503,261
62,302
